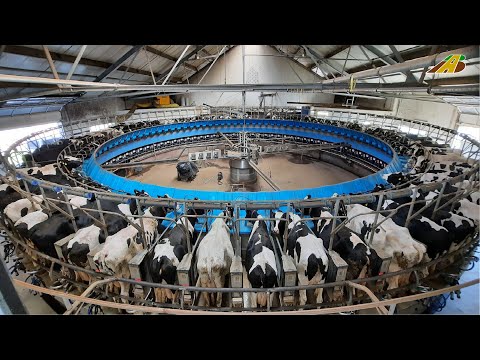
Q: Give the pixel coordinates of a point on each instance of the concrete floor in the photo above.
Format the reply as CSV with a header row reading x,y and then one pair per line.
x,y
288,171
34,304
469,302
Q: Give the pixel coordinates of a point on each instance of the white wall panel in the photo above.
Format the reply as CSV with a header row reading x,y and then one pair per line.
x,y
258,70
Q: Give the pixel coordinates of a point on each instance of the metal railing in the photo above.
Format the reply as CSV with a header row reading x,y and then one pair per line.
x,y
348,199
460,253
469,148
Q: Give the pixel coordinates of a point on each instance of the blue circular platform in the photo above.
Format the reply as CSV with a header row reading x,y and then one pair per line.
x,y
148,136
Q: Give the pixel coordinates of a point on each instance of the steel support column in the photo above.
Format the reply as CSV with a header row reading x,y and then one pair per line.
x,y
10,303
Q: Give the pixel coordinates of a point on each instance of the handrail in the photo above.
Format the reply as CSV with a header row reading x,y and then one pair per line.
x,y
418,267
325,311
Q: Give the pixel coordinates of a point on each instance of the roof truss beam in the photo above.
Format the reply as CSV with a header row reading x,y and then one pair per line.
x,y
164,55
291,57
399,57
50,62
408,54
37,53
118,63
425,69
325,60
381,56
185,58
334,52
370,61
205,64
315,60
77,60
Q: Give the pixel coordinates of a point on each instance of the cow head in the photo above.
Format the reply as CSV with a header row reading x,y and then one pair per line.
x,y
365,230
166,196
198,211
192,220
378,187
251,214
91,197
157,211
456,205
228,210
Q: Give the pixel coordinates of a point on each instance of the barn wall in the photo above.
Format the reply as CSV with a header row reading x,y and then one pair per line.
x,y
18,121
469,119
435,113
88,110
385,104
258,70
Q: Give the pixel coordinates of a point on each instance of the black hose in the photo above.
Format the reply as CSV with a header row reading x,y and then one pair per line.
x,y
472,260
437,303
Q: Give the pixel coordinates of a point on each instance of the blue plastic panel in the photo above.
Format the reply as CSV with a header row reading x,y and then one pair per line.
x,y
136,139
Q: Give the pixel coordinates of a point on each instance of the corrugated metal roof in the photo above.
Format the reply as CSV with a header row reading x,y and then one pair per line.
x,y
17,63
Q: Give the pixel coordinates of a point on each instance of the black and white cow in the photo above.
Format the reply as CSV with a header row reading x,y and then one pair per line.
x,y
393,240
362,260
397,178
43,235
118,250
71,162
49,173
310,257
468,209
88,237
25,223
214,258
164,258
48,153
443,165
51,169
474,197
417,149
8,195
437,176
459,227
84,241
435,237
280,225
260,261
16,210
142,193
